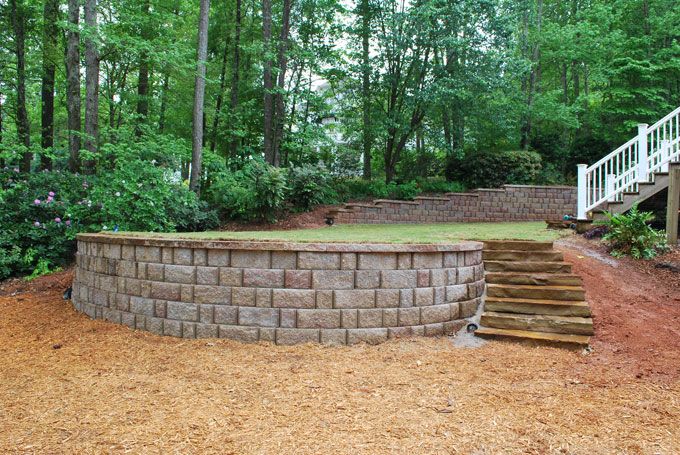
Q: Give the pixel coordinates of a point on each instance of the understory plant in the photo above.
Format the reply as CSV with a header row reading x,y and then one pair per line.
x,y
630,234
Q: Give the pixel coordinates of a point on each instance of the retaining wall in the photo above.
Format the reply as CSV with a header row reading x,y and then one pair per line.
x,y
510,203
287,293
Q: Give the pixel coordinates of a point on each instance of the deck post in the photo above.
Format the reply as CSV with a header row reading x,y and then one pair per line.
x,y
581,192
611,187
673,210
643,159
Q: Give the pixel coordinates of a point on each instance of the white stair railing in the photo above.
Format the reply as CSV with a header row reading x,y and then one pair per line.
x,y
633,163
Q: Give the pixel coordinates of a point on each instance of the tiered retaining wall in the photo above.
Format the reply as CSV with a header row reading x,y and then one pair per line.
x,y
286,293
510,203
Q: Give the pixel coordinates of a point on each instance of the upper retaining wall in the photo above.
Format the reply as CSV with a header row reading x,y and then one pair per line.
x,y
510,203
334,293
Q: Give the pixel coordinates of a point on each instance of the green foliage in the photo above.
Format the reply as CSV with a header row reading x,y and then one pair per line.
x,y
631,235
309,186
359,189
488,169
440,185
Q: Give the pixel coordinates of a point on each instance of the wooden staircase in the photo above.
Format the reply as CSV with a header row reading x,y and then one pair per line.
x,y
532,295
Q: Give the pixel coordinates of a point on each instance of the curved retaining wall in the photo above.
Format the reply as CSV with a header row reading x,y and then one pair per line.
x,y
287,293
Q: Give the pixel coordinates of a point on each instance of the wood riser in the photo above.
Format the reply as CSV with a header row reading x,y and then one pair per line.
x,y
538,323
537,279
561,340
529,267
536,292
566,309
523,256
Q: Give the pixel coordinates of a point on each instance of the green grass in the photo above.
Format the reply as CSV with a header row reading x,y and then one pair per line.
x,y
384,233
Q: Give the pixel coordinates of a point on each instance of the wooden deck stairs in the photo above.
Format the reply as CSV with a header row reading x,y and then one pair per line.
x,y
532,295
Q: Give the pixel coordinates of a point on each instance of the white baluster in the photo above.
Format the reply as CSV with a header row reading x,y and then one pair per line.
x,y
611,179
665,154
581,194
643,159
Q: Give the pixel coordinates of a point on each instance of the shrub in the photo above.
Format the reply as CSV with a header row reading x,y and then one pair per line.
x,y
485,169
358,189
631,235
405,191
308,186
440,185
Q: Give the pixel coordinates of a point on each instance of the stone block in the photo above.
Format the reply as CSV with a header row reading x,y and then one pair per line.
x,y
466,275
155,325
184,274
154,272
111,315
133,287
293,298
387,298
263,298
188,330
207,330
268,334
218,258
406,298
434,330
418,330
454,310
225,314
468,308
243,296
424,296
200,256
183,256
165,291
160,308
324,299
367,279
128,319
140,305
456,293
147,254
260,317
452,327
348,261
122,302
349,318
354,298
218,295
182,310
242,334
250,259
399,279
370,318
439,295
318,319
262,278
127,252
333,337
333,279
208,275
377,261
475,289
296,336
409,316
127,269
166,255
284,259
172,328
205,314
404,261
451,259
427,260
451,276
390,317
318,260
368,336
186,293
141,270
433,314
399,332
298,279
231,277
423,278
287,317
473,257
108,283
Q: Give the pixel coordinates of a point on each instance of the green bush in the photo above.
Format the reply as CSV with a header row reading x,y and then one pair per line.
x,y
405,191
257,192
440,185
485,169
631,235
359,189
309,186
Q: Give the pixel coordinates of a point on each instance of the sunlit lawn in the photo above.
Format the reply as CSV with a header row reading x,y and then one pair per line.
x,y
384,233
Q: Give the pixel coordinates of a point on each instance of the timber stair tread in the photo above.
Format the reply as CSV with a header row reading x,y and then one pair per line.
x,y
517,245
527,266
568,340
534,278
577,325
523,255
536,292
538,306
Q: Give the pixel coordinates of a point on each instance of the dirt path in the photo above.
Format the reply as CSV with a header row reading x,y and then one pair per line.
x,y
69,384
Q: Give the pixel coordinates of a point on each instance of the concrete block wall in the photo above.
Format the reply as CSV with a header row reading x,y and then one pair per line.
x,y
510,203
285,293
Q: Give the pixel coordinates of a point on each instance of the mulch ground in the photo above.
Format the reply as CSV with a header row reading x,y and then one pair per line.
x,y
69,384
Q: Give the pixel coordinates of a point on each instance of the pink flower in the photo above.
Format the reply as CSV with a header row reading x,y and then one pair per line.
x,y
37,202
50,199
57,220
36,224
16,169
68,222
51,194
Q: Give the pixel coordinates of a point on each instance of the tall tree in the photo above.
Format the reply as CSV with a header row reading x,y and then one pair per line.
x,y
366,136
18,13
73,84
50,33
282,65
199,97
144,64
91,83
220,93
235,74
268,83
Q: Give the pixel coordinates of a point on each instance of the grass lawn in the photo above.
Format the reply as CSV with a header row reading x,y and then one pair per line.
x,y
385,233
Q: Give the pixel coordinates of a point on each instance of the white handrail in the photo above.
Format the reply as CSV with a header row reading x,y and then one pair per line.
x,y
634,162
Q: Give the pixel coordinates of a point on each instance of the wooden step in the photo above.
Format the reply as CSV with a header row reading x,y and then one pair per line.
x,y
518,255
526,266
570,341
536,292
537,306
518,245
538,323
538,279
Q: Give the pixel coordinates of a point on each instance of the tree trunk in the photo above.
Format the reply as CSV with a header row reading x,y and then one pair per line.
x,y
91,85
199,97
23,127
218,104
143,78
50,34
366,137
267,82
2,160
282,64
73,84
235,75
164,96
